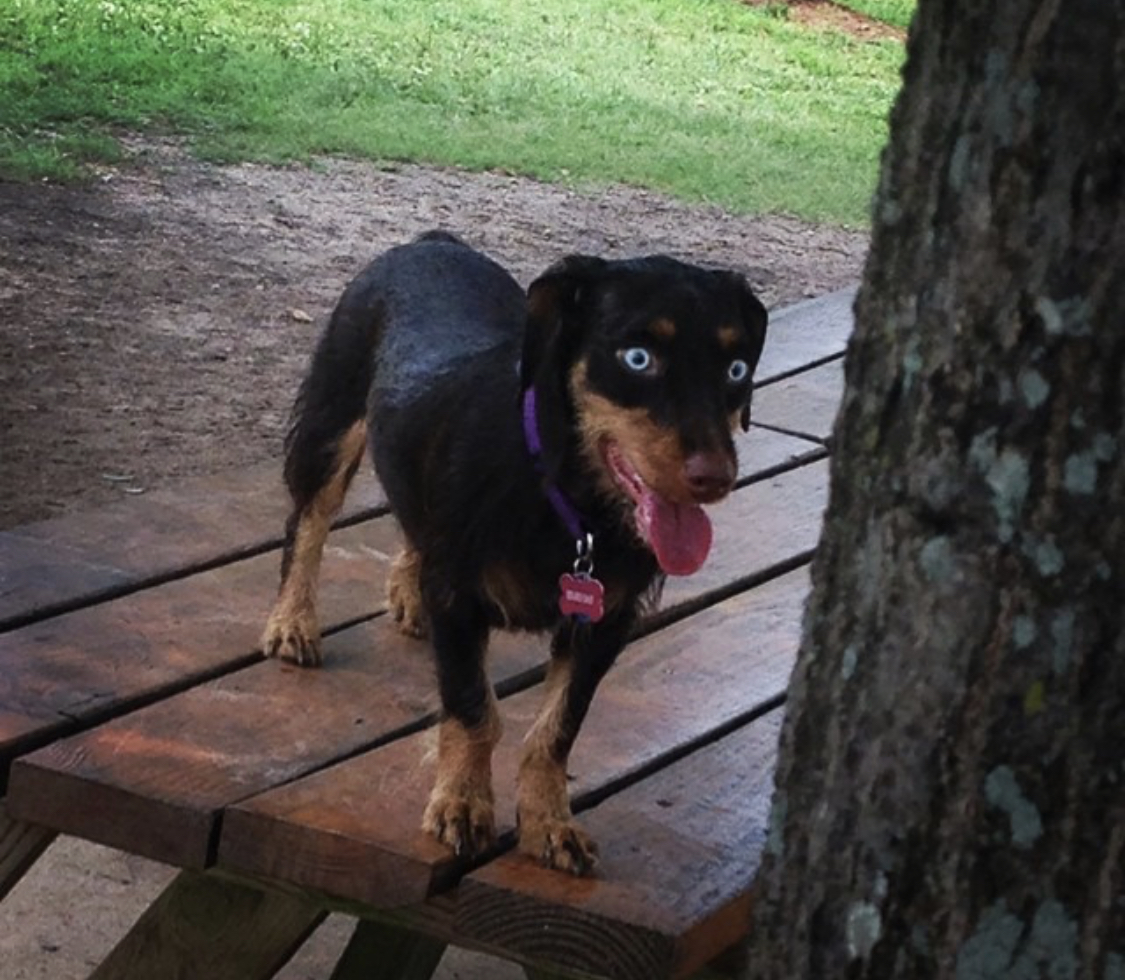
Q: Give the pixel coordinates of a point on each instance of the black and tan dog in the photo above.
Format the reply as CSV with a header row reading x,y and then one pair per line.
x,y
547,457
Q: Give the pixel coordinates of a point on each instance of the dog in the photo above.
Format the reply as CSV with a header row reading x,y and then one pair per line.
x,y
548,456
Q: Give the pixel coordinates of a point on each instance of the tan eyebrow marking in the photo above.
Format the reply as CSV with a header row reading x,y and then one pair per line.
x,y
663,328
729,337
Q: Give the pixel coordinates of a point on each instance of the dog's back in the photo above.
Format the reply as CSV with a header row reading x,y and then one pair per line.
x,y
437,302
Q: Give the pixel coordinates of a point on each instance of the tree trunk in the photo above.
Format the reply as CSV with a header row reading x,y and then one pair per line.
x,y
951,789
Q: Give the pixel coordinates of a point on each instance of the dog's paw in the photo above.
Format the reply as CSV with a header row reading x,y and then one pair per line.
x,y
409,619
559,843
404,599
462,820
293,636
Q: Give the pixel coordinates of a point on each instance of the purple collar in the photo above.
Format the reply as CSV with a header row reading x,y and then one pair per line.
x,y
567,512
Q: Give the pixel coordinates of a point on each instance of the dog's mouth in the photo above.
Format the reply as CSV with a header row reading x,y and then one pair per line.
x,y
679,534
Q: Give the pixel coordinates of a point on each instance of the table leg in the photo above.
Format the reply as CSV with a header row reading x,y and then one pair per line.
x,y
20,846
205,926
378,951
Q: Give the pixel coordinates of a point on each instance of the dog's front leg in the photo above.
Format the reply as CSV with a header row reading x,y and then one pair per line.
x,y
460,812
580,657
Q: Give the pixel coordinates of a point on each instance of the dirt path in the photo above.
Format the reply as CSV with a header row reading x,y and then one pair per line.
x,y
155,322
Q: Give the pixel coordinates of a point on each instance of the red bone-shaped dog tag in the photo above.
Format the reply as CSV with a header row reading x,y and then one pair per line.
x,y
582,596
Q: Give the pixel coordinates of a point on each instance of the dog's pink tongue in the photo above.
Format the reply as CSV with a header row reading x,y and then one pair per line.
x,y
679,534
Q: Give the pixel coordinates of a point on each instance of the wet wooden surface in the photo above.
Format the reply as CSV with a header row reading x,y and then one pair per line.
x,y
136,711
72,561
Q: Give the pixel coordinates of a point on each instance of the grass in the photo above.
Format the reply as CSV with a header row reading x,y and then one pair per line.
x,y
710,100
898,13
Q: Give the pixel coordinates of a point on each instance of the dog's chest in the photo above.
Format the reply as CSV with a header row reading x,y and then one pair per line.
x,y
520,597
525,598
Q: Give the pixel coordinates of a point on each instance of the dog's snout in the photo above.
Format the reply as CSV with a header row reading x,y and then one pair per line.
x,y
709,475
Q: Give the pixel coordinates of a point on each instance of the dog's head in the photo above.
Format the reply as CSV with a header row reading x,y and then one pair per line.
x,y
646,365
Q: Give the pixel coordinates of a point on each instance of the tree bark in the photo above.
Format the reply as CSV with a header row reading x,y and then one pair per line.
x,y
950,796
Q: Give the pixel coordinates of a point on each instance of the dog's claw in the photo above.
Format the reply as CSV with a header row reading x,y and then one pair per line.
x,y
409,625
294,638
559,844
464,823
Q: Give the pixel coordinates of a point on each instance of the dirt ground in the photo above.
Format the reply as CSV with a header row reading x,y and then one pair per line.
x,y
155,322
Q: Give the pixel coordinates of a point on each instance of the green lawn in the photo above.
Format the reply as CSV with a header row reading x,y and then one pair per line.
x,y
896,12
710,100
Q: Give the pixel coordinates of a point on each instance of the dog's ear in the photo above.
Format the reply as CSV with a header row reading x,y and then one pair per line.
x,y
552,303
754,316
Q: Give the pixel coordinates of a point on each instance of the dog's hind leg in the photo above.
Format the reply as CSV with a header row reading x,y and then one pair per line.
x,y
293,631
323,450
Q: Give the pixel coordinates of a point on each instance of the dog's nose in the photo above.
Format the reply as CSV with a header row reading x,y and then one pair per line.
x,y
709,476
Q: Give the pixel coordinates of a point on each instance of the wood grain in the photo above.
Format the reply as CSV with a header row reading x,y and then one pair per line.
x,y
352,830
155,781
67,672
678,850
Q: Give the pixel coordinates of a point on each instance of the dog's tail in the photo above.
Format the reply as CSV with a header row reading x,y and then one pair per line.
x,y
327,432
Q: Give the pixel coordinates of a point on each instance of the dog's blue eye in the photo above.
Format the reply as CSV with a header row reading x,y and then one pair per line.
x,y
738,371
639,360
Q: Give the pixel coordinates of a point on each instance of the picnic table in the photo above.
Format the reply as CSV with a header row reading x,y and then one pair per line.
x,y
136,711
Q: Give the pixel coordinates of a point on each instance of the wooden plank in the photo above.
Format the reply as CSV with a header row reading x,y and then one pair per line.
x,y
804,404
206,927
678,853
64,673
352,831
154,782
61,563
55,565
806,333
158,779
20,846
763,452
